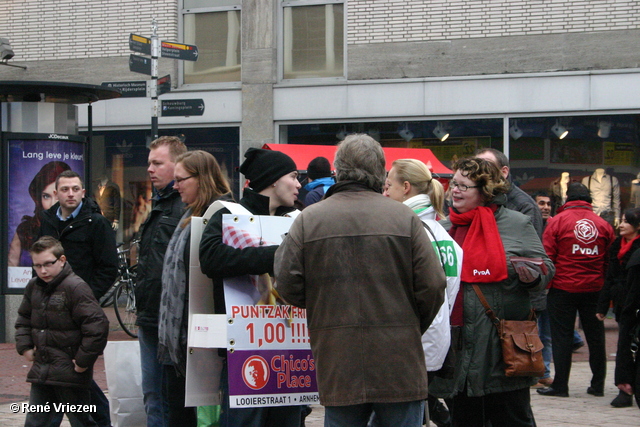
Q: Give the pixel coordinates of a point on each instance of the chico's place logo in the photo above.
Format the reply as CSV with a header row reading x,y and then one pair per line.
x,y
255,372
586,231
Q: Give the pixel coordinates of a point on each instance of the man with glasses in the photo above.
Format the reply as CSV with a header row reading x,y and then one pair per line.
x,y
89,243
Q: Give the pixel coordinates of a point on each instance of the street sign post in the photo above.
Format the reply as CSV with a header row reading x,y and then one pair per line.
x,y
140,64
182,107
173,50
139,44
134,89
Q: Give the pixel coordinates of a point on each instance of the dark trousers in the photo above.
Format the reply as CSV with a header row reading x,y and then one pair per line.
x,y
102,416
173,392
506,409
562,307
42,394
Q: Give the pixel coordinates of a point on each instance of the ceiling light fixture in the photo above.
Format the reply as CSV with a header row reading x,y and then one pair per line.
x,y
604,129
405,133
515,131
440,132
560,131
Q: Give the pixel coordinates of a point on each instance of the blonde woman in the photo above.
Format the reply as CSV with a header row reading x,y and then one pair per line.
x,y
410,182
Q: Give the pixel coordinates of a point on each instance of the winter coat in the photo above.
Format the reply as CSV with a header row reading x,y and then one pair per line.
x,y
628,319
63,322
316,189
479,369
363,267
89,244
155,234
577,241
615,283
437,339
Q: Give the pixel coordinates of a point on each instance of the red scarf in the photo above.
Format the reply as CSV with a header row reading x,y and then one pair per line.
x,y
625,246
485,260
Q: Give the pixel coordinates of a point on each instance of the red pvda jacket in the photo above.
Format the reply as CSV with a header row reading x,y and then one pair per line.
x,y
577,241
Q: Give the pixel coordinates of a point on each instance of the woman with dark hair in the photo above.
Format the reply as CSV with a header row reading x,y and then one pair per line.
x,y
200,182
490,235
41,190
616,289
273,189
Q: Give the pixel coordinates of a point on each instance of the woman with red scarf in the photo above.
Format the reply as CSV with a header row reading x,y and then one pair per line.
x,y
616,289
490,235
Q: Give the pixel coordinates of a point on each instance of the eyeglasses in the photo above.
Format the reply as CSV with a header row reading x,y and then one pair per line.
x,y
179,180
462,187
45,265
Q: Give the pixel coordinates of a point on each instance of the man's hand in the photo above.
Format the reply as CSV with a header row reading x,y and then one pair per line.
x,y
114,225
600,316
29,355
77,368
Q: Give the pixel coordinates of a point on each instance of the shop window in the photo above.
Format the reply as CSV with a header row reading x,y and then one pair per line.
x,y
313,39
214,27
121,157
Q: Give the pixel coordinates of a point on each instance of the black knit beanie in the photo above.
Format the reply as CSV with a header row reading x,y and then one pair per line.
x,y
264,167
319,168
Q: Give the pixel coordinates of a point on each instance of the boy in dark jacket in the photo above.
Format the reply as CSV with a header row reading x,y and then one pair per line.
x,y
62,330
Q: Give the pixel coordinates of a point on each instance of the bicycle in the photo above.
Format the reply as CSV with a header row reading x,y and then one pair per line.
x,y
122,293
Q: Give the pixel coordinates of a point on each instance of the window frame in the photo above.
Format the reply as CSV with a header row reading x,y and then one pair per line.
x,y
281,53
181,29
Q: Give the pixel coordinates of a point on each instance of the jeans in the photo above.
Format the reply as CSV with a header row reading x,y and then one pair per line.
x,y
400,414
102,416
42,394
544,329
505,409
271,416
154,404
562,308
173,392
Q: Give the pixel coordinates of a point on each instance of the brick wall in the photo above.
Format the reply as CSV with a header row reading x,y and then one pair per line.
x,y
384,21
79,29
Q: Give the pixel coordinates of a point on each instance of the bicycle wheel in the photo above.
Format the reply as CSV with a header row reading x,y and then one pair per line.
x,y
125,308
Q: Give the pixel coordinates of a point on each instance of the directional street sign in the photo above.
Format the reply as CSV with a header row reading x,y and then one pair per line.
x,y
164,84
173,50
182,107
135,89
139,44
140,64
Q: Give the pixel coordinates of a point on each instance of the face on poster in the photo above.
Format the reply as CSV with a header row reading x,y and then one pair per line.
x,y
34,165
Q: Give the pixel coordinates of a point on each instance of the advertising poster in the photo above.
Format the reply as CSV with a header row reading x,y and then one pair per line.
x,y
269,356
34,165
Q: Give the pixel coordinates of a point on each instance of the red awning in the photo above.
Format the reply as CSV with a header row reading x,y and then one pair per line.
x,y
303,154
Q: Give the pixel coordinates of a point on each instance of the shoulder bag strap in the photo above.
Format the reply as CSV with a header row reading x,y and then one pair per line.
x,y
487,309
433,236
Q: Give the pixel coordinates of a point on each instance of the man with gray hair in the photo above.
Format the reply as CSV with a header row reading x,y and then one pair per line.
x,y
365,270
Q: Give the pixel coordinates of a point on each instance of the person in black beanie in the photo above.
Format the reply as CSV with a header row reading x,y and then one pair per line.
x,y
320,179
272,190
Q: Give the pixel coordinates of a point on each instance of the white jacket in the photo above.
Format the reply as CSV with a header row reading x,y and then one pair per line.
x,y
437,339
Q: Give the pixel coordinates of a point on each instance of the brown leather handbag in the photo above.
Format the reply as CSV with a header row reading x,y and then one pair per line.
x,y
521,345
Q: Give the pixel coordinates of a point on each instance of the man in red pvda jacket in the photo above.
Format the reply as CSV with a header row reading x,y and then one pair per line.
x,y
577,241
